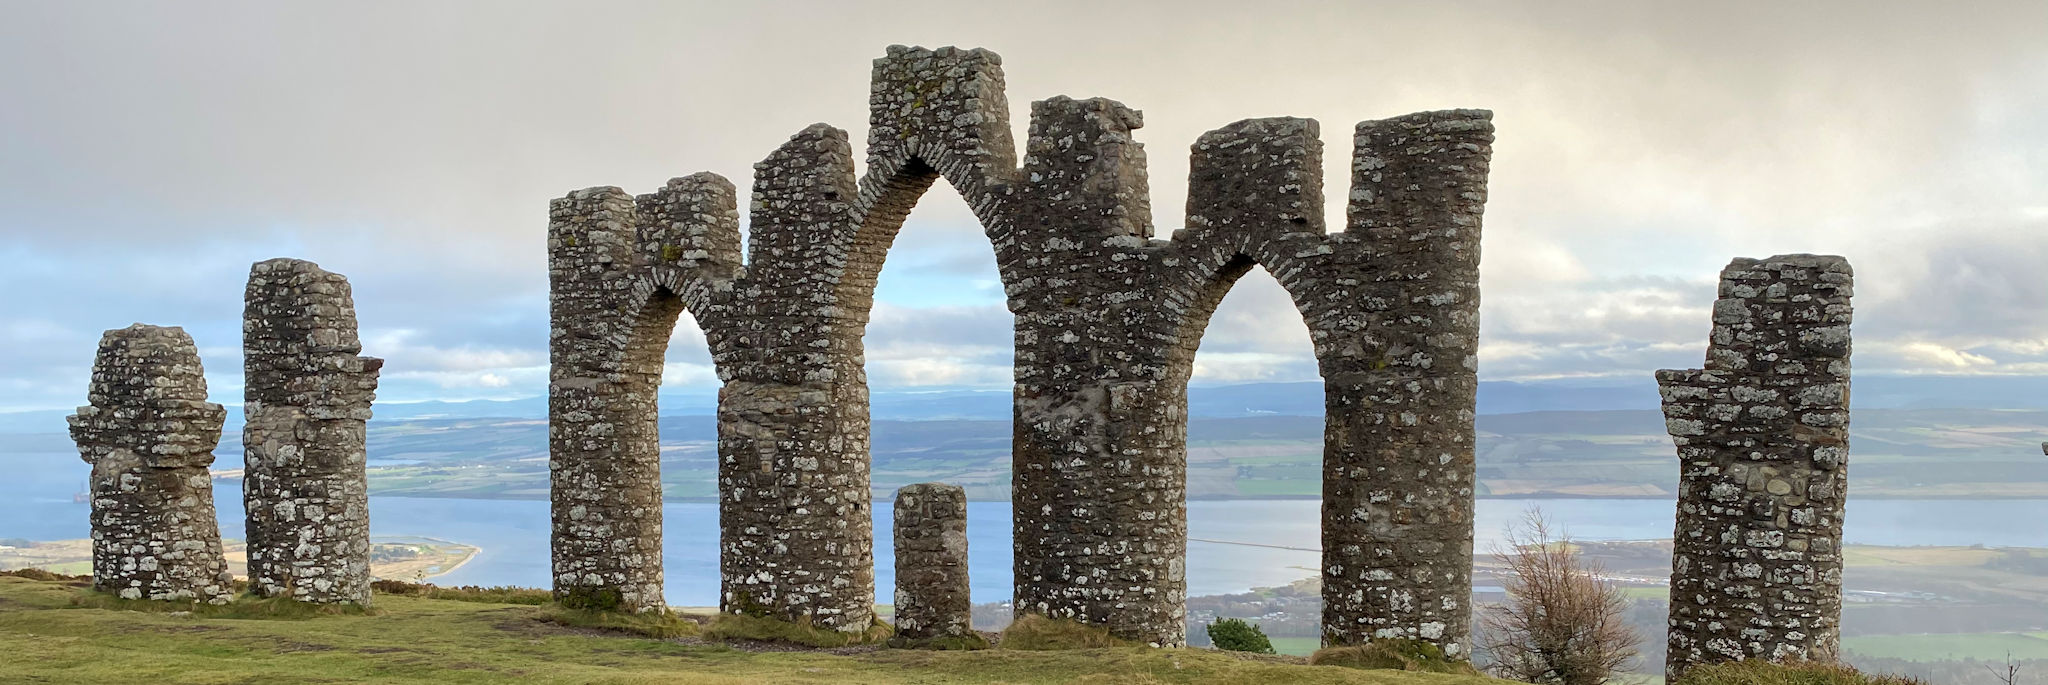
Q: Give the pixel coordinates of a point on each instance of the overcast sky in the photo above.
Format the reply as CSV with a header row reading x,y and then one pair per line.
x,y
149,152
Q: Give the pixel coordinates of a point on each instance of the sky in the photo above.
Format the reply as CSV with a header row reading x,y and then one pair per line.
x,y
149,152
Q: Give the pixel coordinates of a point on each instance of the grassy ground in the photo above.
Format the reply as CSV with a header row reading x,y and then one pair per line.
x,y
53,636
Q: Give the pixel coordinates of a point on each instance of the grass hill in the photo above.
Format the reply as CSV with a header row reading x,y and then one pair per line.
x,y
55,631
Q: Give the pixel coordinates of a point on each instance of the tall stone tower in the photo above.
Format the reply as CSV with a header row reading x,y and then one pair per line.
x,y
1763,449
307,398
149,434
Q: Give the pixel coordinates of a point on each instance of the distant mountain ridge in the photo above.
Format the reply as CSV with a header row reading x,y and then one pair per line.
x,y
1237,401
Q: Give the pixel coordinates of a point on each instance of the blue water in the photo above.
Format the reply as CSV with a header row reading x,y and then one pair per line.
x,y
35,503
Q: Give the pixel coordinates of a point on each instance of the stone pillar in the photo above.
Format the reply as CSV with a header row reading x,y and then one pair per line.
x,y
1763,448
795,515
1394,312
932,590
307,398
149,434
603,444
1100,429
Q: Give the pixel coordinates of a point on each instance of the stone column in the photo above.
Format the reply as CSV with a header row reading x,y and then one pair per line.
x,y
603,443
932,590
1394,311
1763,447
149,434
307,398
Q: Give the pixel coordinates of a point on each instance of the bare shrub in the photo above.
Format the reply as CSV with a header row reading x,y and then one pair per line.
x,y
2010,673
1561,624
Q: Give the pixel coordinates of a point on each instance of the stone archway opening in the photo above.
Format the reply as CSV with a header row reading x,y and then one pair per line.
x,y
938,322
1254,466
687,426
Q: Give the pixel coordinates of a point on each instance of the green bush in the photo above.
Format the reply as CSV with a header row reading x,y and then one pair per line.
x,y
1758,672
1235,635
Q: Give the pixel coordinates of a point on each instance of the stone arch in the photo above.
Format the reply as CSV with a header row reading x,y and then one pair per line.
x,y
785,330
1103,314
622,270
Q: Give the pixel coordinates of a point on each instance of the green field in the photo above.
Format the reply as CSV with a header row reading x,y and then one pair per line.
x,y
1297,646
1992,647
51,638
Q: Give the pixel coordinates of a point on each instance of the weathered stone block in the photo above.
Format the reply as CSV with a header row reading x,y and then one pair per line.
x,y
149,434
932,591
306,401
1762,436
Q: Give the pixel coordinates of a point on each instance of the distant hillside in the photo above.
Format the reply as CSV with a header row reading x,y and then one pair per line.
x,y
1911,453
1235,401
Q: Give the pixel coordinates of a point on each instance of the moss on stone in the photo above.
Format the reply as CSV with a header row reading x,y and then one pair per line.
x,y
1038,632
593,598
663,624
1757,672
763,629
1392,655
954,643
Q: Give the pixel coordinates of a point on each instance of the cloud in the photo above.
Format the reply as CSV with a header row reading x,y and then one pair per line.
x,y
1933,355
1640,148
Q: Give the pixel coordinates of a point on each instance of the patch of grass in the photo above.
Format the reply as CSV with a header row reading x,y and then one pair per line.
x,y
240,608
763,629
970,641
243,607
1039,632
1392,655
46,576
497,594
421,640
661,625
1757,672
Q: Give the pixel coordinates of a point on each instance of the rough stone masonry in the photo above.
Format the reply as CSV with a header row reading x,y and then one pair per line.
x,y
307,399
1763,448
149,434
1108,318
933,595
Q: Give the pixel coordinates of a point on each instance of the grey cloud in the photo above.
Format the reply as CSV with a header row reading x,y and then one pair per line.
x,y
149,152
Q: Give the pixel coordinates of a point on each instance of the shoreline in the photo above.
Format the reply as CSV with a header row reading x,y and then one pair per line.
x,y
441,541
1287,498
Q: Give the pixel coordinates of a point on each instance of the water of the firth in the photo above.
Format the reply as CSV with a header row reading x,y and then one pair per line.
x,y
35,504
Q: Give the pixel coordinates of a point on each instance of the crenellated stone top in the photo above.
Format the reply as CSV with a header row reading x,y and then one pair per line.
x,y
300,345
148,396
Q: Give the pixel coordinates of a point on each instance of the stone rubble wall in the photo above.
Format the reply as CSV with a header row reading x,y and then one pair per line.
x,y
307,399
1107,322
1763,446
933,595
149,434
